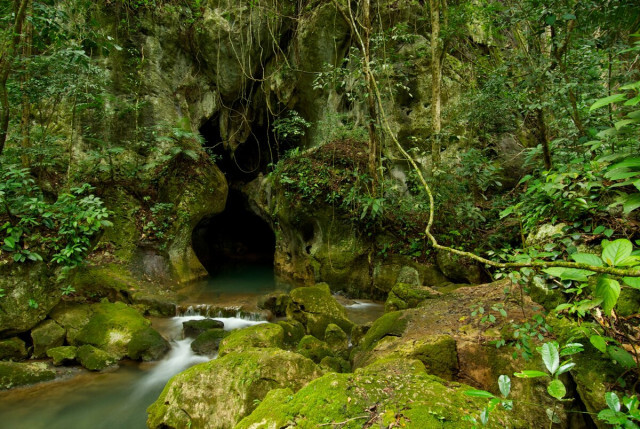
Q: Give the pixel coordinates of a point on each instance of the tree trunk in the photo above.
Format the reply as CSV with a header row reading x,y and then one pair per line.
x,y
436,82
6,61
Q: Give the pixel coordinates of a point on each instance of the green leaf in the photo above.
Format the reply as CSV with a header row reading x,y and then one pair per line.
x,y
479,393
556,389
504,383
587,258
613,402
608,290
571,349
633,282
621,356
598,342
632,102
615,98
569,273
530,374
10,242
631,203
550,357
566,367
617,251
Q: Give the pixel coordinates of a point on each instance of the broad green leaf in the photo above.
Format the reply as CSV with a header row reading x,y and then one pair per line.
x,y
530,374
608,290
613,402
630,86
571,349
624,123
564,368
569,273
504,383
615,98
484,416
631,203
479,393
631,261
587,258
632,102
612,417
598,342
617,251
633,282
550,357
556,389
10,242
621,356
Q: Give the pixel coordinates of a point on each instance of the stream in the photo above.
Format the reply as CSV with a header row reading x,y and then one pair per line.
x,y
118,399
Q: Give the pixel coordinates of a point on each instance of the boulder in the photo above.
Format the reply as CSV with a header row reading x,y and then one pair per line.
x,y
63,355
73,317
95,359
263,335
218,393
407,295
208,342
335,364
459,268
313,348
276,302
315,308
13,374
13,349
337,340
45,336
147,345
293,331
193,328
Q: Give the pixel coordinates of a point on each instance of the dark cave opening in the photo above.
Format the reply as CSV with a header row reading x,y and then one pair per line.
x,y
236,237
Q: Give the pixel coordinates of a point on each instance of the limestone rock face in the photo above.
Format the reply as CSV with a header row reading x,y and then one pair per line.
x,y
264,335
13,374
24,284
218,393
45,336
314,307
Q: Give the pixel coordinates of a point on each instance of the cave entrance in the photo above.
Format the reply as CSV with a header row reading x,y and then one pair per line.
x,y
236,237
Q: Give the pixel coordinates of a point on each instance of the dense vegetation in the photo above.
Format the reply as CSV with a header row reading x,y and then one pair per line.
x,y
533,121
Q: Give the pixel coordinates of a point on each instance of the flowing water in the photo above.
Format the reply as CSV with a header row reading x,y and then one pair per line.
x,y
118,399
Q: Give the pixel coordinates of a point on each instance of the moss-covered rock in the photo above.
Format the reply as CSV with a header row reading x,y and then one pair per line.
x,y
218,393
460,269
396,392
13,374
394,303
94,359
193,328
313,348
358,332
337,340
207,342
335,364
629,302
63,355
111,327
391,324
13,349
30,293
147,344
263,335
293,331
73,317
45,336
406,295
315,308
276,302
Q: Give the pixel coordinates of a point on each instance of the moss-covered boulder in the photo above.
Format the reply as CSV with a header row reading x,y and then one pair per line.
x,y
315,308
147,345
407,295
335,364
193,328
391,324
218,393
313,348
63,355
393,393
13,349
293,331
337,340
45,336
30,293
73,317
263,335
111,328
276,302
13,374
208,342
95,359
459,268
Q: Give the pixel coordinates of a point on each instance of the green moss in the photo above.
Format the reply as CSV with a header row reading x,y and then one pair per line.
x,y
313,348
293,331
62,355
264,335
95,359
412,295
72,317
275,302
220,392
393,324
13,348
207,342
13,374
394,303
193,328
315,308
47,335
409,398
335,364
337,341
629,302
147,344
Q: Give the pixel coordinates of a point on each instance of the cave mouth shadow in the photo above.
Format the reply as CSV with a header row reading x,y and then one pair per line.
x,y
237,237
